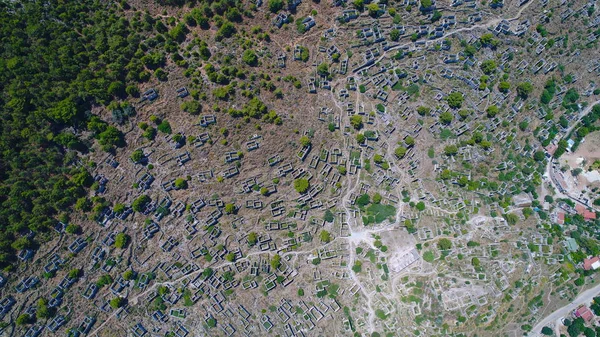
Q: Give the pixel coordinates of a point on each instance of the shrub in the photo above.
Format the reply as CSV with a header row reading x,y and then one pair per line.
x,y
301,185
249,57
455,100
121,240
117,302
325,236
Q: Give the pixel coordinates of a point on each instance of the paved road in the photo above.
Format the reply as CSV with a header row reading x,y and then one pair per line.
x,y
555,317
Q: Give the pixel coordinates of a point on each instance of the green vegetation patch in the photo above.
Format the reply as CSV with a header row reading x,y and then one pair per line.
x,y
377,213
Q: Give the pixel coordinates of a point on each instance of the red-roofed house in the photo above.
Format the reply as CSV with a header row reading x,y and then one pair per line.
x,y
560,218
587,215
585,313
593,263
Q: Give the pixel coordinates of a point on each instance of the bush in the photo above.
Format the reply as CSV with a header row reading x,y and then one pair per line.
x,y
444,244
249,57
117,302
164,127
24,319
129,275
121,240
191,107
455,100
137,155
488,66
363,200
504,86
140,203
105,279
400,152
524,89
356,122
301,185
180,183
230,208
275,5
428,256
74,273
325,236
252,238
492,111
276,261
305,141
446,117
73,229
451,150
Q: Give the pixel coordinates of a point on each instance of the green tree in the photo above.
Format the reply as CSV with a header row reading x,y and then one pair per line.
x,y
252,238
360,138
451,150
230,257
275,5
129,275
276,261
446,117
230,208
488,66
444,244
539,156
323,69
140,203
325,236
249,57
373,9
455,100
24,319
400,152
264,191
423,110
211,322
301,185
164,127
192,107
359,5
121,240
64,112
74,273
420,206
137,155
43,311
394,35
111,137
328,216
117,302
356,121
492,111
363,200
73,229
504,86
524,89
305,141
180,183
446,174
105,279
